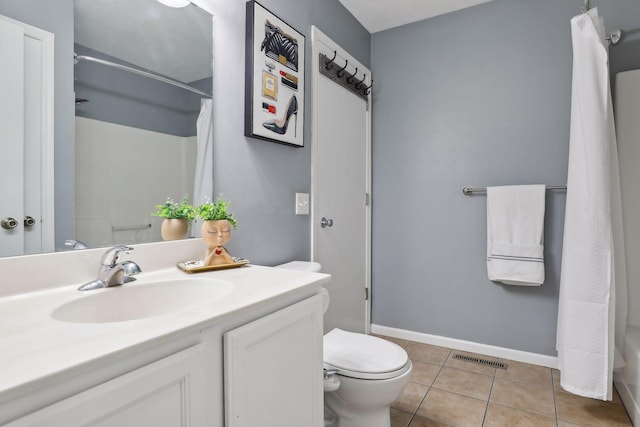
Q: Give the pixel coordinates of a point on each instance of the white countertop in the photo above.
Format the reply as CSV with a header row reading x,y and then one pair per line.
x,y
34,346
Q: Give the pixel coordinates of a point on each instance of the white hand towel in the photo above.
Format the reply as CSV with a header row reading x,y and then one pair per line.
x,y
515,232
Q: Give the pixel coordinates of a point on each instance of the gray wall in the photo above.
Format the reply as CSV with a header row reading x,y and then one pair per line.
x,y
56,16
261,178
478,97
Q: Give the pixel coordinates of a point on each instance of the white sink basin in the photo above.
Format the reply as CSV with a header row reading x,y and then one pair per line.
x,y
140,301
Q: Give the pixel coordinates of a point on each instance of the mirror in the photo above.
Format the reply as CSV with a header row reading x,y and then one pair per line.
x,y
135,139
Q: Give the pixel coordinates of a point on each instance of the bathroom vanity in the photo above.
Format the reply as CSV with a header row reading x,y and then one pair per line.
x,y
238,347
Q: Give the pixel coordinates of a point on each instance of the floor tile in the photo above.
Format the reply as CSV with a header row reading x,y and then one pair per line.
x,y
566,424
471,366
525,373
616,396
453,409
527,397
411,398
503,416
427,352
419,421
424,372
590,412
400,418
447,392
464,382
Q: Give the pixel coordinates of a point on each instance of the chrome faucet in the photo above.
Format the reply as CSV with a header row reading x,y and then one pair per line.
x,y
75,244
112,272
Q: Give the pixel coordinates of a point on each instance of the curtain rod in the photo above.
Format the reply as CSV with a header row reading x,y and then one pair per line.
x,y
467,190
615,36
79,58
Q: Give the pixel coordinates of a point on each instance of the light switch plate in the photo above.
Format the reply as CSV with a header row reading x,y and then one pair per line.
x,y
302,203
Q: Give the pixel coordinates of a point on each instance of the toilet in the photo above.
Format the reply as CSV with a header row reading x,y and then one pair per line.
x,y
363,374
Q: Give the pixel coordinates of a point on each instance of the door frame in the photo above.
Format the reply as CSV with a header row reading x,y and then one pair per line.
x,y
316,37
47,200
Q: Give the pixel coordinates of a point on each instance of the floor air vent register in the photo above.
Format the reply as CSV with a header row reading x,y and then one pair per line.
x,y
479,361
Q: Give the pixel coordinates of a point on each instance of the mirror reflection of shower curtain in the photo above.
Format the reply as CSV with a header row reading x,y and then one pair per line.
x,y
592,301
203,180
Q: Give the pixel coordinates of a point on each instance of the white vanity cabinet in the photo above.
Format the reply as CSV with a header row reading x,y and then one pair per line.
x,y
170,392
257,367
273,369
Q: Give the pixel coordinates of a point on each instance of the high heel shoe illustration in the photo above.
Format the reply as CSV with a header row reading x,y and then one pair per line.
x,y
280,126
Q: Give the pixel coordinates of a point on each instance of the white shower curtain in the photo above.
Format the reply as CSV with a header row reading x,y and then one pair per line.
x,y
592,278
203,180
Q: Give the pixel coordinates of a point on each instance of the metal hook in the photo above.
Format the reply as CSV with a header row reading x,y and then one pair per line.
x,y
359,84
329,64
352,76
367,90
340,72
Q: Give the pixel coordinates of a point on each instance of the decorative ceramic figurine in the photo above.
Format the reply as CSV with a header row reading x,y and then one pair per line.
x,y
216,234
216,231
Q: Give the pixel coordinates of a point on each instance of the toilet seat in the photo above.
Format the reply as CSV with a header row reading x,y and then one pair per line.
x,y
363,356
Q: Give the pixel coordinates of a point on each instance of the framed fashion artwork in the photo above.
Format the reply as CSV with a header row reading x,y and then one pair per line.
x,y
274,78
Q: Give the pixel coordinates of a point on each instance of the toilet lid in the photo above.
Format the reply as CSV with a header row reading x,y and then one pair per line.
x,y
362,353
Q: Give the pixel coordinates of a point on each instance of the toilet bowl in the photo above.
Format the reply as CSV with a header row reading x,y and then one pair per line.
x,y
363,374
372,373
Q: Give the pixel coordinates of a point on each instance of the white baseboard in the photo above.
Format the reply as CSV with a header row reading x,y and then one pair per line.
x,y
456,344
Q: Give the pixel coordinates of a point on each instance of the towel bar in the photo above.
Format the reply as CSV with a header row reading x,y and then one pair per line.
x,y
467,190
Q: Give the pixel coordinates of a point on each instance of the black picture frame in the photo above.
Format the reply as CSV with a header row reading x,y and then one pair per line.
x,y
274,78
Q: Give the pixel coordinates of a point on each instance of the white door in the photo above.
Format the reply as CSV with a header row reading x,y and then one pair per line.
x,y
341,188
11,137
26,139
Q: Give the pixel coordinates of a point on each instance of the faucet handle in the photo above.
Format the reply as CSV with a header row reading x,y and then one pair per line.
x,y
110,257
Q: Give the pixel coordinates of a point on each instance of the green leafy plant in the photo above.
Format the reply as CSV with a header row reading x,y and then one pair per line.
x,y
176,210
214,211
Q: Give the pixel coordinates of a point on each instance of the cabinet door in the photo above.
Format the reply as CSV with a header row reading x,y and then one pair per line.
x,y
166,393
273,369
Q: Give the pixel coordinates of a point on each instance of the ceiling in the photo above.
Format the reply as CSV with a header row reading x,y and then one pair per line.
x,y
379,15
174,42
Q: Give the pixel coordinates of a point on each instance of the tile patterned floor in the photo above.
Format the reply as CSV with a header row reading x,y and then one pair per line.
x,y
445,392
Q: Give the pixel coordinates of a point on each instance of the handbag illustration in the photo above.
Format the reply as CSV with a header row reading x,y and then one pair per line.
x,y
280,46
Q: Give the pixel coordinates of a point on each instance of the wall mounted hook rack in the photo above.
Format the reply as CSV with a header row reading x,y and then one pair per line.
x,y
344,77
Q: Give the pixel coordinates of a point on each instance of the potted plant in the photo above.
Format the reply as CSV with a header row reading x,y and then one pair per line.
x,y
177,218
216,230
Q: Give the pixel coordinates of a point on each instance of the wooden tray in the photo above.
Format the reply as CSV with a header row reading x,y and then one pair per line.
x,y
197,267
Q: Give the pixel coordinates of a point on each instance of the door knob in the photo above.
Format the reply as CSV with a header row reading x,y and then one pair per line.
x,y
8,223
324,222
29,221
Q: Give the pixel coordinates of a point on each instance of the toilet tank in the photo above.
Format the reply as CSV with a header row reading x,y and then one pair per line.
x,y
310,266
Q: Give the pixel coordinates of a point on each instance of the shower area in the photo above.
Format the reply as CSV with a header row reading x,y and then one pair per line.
x,y
627,113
